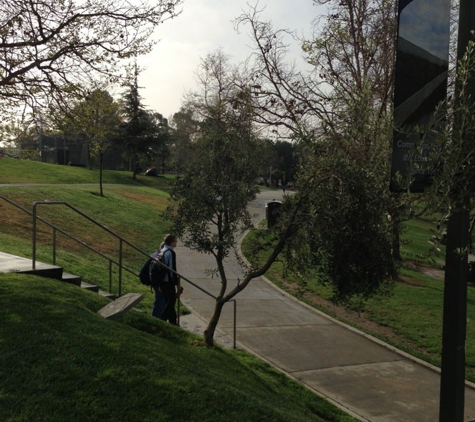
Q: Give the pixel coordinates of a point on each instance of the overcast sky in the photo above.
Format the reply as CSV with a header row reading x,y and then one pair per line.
x,y
203,27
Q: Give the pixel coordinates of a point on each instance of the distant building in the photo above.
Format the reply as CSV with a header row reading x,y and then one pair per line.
x,y
56,149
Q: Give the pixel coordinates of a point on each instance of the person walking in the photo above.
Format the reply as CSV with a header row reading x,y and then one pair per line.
x,y
284,184
167,290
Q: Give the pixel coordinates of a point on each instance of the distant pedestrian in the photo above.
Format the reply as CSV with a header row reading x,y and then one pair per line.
x,y
284,184
167,290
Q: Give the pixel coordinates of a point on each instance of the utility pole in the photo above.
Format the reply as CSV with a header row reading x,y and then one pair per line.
x,y
452,381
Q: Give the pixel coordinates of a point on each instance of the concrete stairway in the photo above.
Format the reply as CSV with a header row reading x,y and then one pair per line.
x,y
15,264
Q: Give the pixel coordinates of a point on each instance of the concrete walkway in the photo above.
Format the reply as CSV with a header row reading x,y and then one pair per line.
x,y
365,377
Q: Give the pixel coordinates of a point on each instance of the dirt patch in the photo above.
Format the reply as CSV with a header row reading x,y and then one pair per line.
x,y
350,316
157,201
437,273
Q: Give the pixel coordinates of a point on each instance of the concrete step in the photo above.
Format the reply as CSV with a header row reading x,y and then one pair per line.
x,y
16,264
108,295
72,279
88,286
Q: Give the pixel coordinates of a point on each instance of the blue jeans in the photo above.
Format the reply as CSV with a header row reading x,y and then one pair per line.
x,y
169,293
160,304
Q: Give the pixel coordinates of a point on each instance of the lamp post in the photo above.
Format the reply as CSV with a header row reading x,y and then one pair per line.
x,y
452,381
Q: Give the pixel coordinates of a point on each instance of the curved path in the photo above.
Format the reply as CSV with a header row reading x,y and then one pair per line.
x,y
364,376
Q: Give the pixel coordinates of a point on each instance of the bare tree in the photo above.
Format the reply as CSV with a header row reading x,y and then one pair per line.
x,y
48,48
353,47
352,52
340,113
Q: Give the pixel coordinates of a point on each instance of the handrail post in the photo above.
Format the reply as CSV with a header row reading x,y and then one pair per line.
x,y
33,257
110,276
54,245
120,267
235,315
178,302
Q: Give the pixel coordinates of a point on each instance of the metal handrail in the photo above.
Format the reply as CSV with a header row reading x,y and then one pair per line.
x,y
120,238
111,260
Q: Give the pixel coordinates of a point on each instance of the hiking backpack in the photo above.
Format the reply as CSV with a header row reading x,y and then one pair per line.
x,y
152,273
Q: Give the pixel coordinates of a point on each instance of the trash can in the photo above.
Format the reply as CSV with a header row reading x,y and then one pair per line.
x,y
273,210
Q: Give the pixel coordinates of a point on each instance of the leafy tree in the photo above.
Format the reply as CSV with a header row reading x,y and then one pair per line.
x,y
453,189
144,134
219,179
136,126
96,120
184,129
52,48
163,138
346,242
343,126
26,135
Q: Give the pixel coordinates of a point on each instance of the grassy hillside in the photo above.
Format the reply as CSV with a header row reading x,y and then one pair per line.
x,y
132,209
61,361
25,171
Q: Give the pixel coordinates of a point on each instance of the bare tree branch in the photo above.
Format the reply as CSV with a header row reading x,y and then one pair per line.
x,y
47,48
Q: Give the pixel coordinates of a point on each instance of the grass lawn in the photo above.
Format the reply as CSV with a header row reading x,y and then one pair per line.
x,y
61,361
25,171
136,213
415,242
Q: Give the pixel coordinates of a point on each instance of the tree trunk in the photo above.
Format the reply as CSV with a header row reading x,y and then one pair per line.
x,y
100,175
136,168
89,161
396,238
209,332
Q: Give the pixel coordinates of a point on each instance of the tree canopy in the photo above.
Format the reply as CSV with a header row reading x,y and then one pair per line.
x,y
220,178
339,115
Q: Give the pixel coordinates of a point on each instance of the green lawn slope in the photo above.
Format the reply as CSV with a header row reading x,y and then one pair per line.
x,y
61,361
14,171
